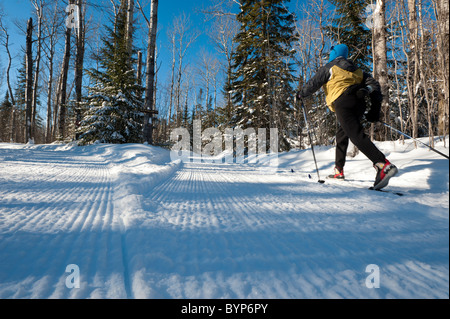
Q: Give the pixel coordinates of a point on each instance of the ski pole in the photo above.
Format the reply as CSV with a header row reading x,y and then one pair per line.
x,y
311,142
400,132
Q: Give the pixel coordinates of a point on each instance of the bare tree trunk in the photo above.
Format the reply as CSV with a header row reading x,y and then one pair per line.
x,y
79,60
29,81
414,86
205,73
62,100
50,49
150,76
172,77
223,34
178,88
39,6
181,28
49,102
55,125
130,14
425,76
52,29
380,69
441,8
139,68
398,89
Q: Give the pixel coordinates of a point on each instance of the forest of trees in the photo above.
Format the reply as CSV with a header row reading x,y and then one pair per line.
x,y
79,79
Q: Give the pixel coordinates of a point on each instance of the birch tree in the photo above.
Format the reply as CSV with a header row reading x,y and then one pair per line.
x,y
441,9
413,66
223,35
62,86
380,67
39,8
130,24
208,70
185,37
49,48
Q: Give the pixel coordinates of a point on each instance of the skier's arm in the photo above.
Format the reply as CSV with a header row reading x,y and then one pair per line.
x,y
372,85
316,82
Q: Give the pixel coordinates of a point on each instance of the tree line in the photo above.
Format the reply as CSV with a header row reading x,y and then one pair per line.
x,y
102,83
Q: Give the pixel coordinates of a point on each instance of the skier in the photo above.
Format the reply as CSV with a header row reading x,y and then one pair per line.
x,y
346,87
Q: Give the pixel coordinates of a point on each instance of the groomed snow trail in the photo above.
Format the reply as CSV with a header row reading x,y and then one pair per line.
x,y
57,209
228,231
139,226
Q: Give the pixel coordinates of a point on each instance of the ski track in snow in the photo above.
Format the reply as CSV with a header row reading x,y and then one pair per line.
x,y
59,213
139,226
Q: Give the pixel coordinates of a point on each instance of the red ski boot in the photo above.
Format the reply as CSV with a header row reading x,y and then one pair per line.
x,y
338,174
385,171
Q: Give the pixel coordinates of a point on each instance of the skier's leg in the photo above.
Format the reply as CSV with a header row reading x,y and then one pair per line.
x,y
341,148
348,111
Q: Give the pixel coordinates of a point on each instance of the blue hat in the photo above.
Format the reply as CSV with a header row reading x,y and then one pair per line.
x,y
337,51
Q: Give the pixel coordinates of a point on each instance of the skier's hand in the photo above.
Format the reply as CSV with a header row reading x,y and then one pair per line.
x,y
362,93
299,97
373,117
374,113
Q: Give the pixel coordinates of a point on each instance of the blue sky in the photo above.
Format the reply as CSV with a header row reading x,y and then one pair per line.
x,y
21,10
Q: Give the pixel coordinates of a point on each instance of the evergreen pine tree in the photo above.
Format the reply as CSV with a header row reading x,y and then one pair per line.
x,y
349,28
262,78
114,103
224,114
5,119
186,114
19,97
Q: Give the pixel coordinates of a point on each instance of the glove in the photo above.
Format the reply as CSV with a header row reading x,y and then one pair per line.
x,y
299,96
362,93
376,97
374,114
365,91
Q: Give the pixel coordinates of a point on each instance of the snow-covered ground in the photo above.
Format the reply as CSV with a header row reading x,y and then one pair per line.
x,y
133,224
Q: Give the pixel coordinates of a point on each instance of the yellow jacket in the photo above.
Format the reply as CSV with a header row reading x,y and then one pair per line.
x,y
340,80
336,77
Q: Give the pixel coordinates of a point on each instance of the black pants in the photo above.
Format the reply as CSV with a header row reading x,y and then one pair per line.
x,y
349,111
